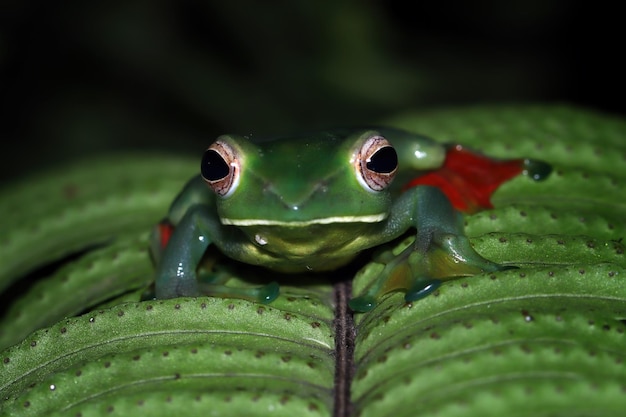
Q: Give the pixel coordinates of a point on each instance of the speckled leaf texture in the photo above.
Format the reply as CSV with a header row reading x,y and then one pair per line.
x,y
546,339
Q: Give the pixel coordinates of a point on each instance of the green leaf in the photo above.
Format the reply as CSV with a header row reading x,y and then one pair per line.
x,y
180,345
543,339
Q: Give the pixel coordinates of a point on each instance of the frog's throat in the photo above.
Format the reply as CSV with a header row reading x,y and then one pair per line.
x,y
371,218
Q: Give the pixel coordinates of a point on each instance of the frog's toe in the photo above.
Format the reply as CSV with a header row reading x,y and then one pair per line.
x,y
454,257
362,304
537,170
421,288
506,267
267,293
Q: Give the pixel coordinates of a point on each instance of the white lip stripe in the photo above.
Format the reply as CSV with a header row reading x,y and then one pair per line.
x,y
373,218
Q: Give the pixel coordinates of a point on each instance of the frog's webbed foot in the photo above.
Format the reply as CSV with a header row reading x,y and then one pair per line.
x,y
392,270
420,271
217,274
440,251
264,295
211,278
213,284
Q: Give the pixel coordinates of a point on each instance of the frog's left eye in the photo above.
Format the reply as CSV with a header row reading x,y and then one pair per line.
x,y
220,168
376,164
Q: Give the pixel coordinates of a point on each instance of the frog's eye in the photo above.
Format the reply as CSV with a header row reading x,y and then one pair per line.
x,y
220,168
376,164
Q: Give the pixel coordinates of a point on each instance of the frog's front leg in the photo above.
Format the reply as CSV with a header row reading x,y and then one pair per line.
x,y
181,255
440,250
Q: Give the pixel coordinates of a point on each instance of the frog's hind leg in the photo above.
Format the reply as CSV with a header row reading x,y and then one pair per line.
x,y
442,251
441,248
438,252
397,274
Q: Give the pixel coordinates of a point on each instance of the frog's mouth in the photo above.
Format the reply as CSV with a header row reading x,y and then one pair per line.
x,y
291,243
304,245
370,218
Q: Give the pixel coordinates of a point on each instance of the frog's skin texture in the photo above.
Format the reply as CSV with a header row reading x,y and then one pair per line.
x,y
312,203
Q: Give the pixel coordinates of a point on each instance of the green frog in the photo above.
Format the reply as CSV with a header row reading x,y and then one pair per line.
x,y
312,203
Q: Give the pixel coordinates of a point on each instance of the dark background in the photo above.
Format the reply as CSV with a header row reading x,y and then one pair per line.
x,y
82,78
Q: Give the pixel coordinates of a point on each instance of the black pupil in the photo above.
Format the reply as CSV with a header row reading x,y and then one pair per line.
x,y
213,166
383,161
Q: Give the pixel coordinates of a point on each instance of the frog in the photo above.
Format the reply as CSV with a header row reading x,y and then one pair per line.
x,y
312,203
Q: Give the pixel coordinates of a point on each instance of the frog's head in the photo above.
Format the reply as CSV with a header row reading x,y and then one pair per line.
x,y
326,178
